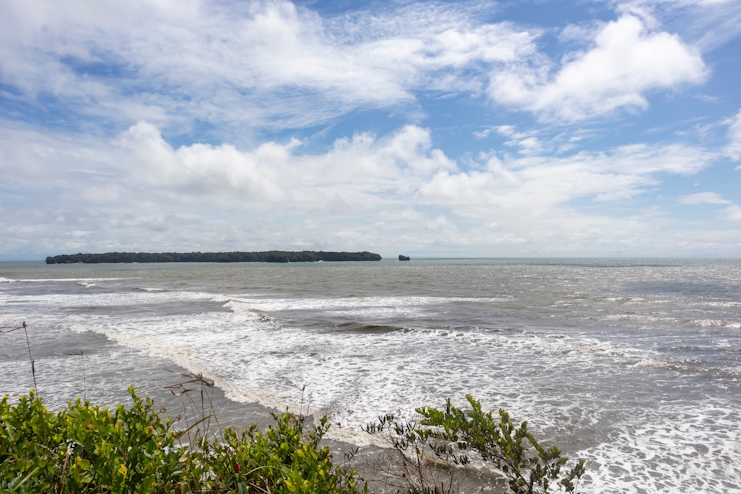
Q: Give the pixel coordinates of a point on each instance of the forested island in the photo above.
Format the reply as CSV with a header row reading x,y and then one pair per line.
x,y
268,256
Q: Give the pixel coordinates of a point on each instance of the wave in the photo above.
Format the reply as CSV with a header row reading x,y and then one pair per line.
x,y
716,323
722,304
269,305
242,310
655,410
355,370
365,328
691,366
56,301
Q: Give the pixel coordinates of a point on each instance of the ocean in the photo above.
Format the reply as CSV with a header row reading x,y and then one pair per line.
x,y
631,364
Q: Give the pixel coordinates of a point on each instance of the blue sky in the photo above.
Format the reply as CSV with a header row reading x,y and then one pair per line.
x,y
430,129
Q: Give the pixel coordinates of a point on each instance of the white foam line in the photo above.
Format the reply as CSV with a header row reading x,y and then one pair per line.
x,y
341,303
52,280
116,299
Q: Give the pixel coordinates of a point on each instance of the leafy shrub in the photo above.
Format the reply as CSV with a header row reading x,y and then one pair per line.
x,y
86,449
282,460
452,435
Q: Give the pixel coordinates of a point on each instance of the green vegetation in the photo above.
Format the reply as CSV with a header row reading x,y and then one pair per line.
x,y
269,256
454,435
530,468
86,449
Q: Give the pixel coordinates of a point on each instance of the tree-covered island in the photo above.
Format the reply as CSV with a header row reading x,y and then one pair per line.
x,y
268,256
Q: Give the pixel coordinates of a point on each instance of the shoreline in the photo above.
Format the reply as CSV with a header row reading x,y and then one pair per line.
x,y
373,463
376,464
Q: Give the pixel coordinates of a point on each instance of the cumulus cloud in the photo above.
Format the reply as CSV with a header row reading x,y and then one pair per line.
x,y
626,60
114,88
354,169
202,169
138,192
391,191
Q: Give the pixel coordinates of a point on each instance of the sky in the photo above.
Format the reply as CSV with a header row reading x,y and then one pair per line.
x,y
430,129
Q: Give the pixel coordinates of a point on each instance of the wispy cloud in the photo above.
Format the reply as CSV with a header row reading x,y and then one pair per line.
x,y
539,184
706,24
703,198
258,64
733,149
274,65
731,211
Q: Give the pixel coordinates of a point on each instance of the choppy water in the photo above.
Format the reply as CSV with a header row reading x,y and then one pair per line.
x,y
634,365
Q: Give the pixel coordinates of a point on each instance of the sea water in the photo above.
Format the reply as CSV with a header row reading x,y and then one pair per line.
x,y
631,364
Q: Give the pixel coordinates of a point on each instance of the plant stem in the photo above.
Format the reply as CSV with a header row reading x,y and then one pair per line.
x,y
33,366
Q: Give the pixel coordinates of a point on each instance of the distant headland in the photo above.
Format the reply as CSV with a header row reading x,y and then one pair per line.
x,y
268,256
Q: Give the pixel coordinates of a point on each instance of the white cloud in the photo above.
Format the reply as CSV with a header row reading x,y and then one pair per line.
x,y
734,137
527,142
539,184
707,24
202,169
273,64
626,61
392,192
248,63
141,161
703,198
733,212
228,71
439,223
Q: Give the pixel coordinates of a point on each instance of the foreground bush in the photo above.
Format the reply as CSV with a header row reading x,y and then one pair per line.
x,y
455,436
86,449
284,459
89,449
